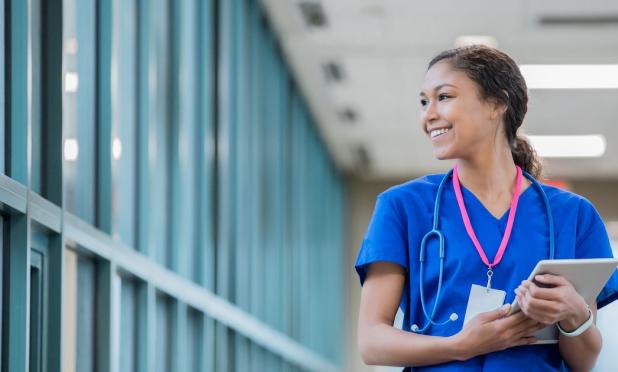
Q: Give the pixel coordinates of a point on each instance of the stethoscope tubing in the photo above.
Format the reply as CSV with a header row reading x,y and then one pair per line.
x,y
442,254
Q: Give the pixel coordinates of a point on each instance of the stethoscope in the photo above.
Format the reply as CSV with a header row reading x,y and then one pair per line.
x,y
436,232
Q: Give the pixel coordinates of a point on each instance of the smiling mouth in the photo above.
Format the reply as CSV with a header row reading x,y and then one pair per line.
x,y
438,132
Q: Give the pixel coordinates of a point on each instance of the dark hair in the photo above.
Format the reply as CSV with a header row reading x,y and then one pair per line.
x,y
498,77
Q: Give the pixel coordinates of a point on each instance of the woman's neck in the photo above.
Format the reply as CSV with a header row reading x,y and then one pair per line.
x,y
490,174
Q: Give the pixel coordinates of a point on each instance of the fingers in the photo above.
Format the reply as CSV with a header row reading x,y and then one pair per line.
x,y
555,280
544,311
535,291
520,324
531,329
499,313
528,302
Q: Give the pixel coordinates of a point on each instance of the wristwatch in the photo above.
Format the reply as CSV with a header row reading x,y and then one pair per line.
x,y
581,329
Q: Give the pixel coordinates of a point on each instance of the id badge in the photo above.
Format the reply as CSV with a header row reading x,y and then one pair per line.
x,y
482,300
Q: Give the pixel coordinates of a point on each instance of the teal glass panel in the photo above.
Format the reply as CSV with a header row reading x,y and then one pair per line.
x,y
35,77
79,312
4,249
79,108
128,325
124,119
37,308
204,265
195,341
164,332
86,312
184,171
159,130
2,87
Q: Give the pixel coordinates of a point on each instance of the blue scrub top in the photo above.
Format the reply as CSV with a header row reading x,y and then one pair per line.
x,y
403,215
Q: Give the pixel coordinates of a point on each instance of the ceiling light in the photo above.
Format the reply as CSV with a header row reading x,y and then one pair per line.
x,y
570,76
569,146
595,20
467,40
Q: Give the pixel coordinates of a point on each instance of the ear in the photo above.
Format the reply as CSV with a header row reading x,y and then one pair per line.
x,y
499,107
502,106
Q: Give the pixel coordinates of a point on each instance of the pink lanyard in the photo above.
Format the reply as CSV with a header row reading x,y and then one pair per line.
x,y
470,230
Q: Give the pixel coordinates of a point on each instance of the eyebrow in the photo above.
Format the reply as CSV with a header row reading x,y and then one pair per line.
x,y
438,88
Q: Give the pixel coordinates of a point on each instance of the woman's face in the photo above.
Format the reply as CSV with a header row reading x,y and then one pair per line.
x,y
453,115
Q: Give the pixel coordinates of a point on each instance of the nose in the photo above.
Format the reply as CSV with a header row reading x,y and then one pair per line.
x,y
429,113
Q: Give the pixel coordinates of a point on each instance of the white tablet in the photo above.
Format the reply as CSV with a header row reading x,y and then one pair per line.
x,y
588,276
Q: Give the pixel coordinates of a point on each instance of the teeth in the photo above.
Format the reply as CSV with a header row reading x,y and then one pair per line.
x,y
437,132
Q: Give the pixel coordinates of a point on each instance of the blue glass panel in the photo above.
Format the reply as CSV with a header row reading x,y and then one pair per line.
x,y
128,326
35,93
86,315
160,129
2,100
163,334
124,119
79,108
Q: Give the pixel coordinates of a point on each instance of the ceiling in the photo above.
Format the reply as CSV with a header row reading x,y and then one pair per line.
x,y
382,48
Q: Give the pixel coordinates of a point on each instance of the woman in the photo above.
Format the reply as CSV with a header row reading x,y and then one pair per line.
x,y
494,221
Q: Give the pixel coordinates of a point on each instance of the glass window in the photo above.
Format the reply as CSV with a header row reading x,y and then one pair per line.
x,y
128,325
124,119
160,129
2,101
79,107
184,176
195,335
79,313
35,93
164,333
4,249
36,311
39,303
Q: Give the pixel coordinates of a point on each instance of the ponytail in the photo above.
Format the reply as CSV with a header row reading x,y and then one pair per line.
x,y
525,156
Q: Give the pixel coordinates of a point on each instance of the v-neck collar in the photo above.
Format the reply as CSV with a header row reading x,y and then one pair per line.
x,y
472,197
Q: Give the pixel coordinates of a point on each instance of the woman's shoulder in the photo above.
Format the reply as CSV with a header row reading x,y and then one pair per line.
x,y
421,187
568,203
559,197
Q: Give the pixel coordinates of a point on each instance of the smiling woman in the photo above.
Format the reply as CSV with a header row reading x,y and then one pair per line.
x,y
450,271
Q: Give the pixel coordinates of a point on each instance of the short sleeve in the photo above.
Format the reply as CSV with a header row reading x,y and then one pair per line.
x,y
385,239
593,242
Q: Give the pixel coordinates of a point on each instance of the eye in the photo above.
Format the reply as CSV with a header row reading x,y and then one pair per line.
x,y
423,102
442,97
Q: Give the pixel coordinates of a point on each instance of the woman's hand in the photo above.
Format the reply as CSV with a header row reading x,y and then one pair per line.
x,y
560,303
494,331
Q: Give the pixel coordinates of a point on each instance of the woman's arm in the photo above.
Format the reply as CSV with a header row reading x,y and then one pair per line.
x,y
563,304
382,344
580,353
